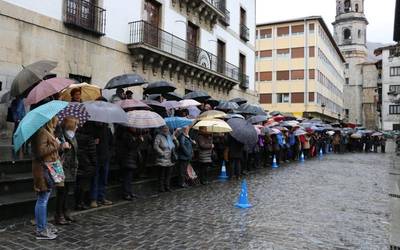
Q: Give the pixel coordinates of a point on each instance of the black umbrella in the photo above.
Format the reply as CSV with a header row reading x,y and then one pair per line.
x,y
213,102
161,87
239,100
124,81
199,96
258,119
289,117
275,113
227,106
250,109
172,96
155,97
243,131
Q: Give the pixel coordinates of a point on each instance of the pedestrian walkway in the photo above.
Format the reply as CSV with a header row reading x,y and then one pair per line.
x,y
340,202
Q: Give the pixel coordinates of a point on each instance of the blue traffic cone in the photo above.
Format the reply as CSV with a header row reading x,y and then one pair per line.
x,y
243,201
274,163
321,154
223,175
302,157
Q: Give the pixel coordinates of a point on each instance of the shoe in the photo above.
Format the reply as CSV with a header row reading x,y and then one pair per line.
x,y
68,218
105,202
52,228
61,221
168,189
127,198
81,207
93,204
45,235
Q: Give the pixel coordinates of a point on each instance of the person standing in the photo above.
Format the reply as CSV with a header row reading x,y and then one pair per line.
x,y
45,148
185,154
164,146
70,165
383,144
118,96
76,94
235,154
17,111
205,146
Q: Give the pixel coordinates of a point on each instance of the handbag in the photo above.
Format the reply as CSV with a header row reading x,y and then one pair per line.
x,y
56,171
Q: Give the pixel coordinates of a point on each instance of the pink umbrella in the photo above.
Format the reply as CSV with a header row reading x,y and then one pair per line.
x,y
133,104
47,88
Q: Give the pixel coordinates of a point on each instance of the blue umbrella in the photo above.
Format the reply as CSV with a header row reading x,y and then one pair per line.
x,y
35,119
178,122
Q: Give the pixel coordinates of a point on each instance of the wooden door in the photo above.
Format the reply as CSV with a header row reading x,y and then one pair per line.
x,y
152,17
221,56
192,35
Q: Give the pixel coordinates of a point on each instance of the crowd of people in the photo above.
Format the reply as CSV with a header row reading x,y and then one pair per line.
x,y
86,152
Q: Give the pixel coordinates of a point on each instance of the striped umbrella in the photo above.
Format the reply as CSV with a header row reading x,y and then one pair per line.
x,y
144,119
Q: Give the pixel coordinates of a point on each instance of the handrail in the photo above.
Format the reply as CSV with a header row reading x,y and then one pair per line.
x,y
85,15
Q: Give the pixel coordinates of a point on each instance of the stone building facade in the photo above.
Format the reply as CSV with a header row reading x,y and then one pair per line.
x,y
201,45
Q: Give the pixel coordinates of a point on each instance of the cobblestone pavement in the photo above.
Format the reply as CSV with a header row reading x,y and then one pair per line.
x,y
340,202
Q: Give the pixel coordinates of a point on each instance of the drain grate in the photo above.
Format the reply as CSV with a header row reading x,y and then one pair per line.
x,y
395,196
394,247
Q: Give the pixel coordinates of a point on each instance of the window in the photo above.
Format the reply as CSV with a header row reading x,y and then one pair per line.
x,y
347,81
298,52
394,109
282,98
297,74
265,33
265,98
311,27
283,31
396,126
346,65
264,54
266,76
311,51
394,71
311,97
311,73
347,6
394,88
356,7
298,97
297,29
221,56
80,78
282,75
359,34
347,112
283,53
347,34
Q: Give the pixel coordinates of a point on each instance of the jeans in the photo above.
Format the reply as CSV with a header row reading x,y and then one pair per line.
x,y
41,210
99,182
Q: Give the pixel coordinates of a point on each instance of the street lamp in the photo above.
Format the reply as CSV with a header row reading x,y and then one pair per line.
x,y
323,108
339,115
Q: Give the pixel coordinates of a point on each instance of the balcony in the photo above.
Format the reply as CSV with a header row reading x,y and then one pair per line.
x,y
159,49
244,32
226,19
244,81
84,15
206,10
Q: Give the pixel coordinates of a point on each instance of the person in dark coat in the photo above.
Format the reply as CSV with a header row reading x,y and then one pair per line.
x,y
86,137
185,154
205,146
383,144
235,154
70,165
128,157
164,147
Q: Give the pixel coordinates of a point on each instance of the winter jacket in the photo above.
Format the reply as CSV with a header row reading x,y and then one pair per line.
x,y
70,158
205,148
86,152
129,151
235,148
164,153
104,148
185,150
18,109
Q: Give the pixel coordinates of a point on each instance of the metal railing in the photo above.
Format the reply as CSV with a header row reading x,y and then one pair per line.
x,y
219,4
227,18
142,32
85,15
244,32
244,81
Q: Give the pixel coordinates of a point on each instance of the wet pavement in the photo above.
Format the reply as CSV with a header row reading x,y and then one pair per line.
x,y
340,202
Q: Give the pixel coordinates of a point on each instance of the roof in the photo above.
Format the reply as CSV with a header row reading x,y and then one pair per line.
x,y
378,51
309,18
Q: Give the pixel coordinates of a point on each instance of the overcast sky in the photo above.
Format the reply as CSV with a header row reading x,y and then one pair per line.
x,y
380,14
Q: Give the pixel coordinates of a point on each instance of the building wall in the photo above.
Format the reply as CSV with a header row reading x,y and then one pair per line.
x,y
388,120
370,96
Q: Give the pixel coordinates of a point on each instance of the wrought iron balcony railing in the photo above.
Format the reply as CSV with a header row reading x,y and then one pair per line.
x,y
219,4
226,19
244,32
244,81
142,32
85,15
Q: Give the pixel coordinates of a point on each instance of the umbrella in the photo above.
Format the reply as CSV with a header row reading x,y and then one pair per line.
x,y
356,136
250,109
124,81
89,92
160,87
214,126
34,120
278,118
6,97
272,131
331,133
144,119
227,106
213,102
211,114
230,116
193,111
299,132
105,112
199,96
132,104
272,124
275,113
171,104
155,97
172,96
30,75
156,105
289,117
47,88
377,134
178,122
188,102
258,119
76,110
239,100
316,120
243,131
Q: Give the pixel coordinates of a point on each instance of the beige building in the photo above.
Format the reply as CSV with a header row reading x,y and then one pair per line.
x,y
299,68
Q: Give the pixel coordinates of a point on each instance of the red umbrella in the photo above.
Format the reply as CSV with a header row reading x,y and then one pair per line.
x,y
278,118
47,88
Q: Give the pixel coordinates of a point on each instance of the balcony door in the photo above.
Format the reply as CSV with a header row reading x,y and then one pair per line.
x,y
221,55
152,16
243,17
192,36
242,65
